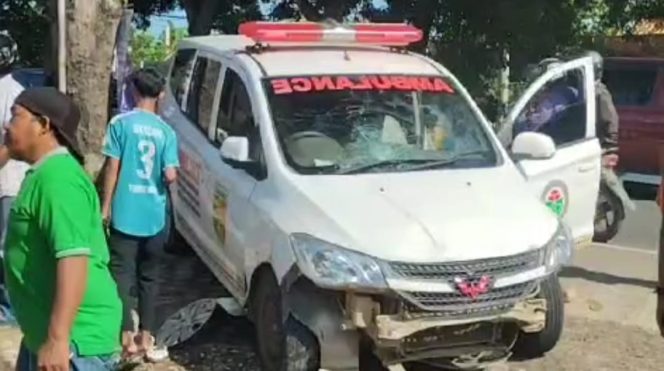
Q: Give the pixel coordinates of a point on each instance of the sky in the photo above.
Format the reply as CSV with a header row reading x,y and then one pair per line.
x,y
178,18
159,23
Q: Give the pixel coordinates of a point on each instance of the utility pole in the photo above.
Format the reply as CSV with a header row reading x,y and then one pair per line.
x,y
504,82
167,35
62,47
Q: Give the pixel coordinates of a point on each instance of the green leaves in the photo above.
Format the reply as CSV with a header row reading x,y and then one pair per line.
x,y
148,50
469,37
27,22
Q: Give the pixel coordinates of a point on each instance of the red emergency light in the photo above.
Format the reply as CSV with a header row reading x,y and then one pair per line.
x,y
387,34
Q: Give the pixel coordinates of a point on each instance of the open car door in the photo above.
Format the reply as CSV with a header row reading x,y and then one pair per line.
x,y
561,104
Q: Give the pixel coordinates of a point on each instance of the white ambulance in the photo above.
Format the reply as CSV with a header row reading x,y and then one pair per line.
x,y
353,199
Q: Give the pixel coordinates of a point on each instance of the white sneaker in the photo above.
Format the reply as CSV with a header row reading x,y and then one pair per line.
x,y
156,354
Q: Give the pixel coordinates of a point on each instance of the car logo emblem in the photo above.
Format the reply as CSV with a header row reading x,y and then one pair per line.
x,y
471,289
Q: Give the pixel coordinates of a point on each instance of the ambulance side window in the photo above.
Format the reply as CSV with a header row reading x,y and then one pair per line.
x,y
235,117
182,66
200,98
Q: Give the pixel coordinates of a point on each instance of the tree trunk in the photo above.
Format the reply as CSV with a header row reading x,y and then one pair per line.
x,y
91,29
335,9
309,11
200,15
322,10
425,13
51,53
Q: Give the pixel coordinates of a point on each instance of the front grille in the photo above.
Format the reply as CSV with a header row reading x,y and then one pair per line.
x,y
493,267
455,305
453,301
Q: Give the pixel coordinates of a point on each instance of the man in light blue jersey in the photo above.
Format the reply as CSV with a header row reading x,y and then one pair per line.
x,y
141,161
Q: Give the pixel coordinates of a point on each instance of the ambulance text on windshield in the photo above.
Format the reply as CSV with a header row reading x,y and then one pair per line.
x,y
366,82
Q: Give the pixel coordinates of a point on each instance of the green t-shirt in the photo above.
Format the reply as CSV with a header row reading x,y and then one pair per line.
x,y
57,215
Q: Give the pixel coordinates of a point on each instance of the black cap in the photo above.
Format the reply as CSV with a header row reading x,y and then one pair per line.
x,y
60,109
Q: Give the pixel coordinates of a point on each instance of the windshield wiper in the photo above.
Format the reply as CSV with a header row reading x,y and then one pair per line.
x,y
384,163
436,164
326,169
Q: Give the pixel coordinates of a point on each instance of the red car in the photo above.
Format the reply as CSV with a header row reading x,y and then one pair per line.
x,y
637,86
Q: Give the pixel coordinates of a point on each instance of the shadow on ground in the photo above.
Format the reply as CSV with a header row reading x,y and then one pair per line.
x,y
224,343
605,278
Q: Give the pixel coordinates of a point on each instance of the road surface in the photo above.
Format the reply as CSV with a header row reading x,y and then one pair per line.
x,y
640,229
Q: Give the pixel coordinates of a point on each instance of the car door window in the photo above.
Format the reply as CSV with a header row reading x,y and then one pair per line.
x,y
558,110
235,116
200,97
180,73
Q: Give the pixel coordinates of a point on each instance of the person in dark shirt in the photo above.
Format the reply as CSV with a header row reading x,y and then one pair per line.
x,y
607,116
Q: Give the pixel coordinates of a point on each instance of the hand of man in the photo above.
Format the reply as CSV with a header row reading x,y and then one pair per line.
x,y
106,222
106,216
54,355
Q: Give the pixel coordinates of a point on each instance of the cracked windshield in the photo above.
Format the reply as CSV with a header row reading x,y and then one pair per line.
x,y
369,124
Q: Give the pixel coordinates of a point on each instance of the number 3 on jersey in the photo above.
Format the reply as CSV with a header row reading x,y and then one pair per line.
x,y
147,149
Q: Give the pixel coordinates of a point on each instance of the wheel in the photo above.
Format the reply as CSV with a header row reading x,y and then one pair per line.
x,y
288,346
533,345
609,215
186,322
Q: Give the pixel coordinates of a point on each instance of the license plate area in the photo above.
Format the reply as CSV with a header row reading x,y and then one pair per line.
x,y
453,336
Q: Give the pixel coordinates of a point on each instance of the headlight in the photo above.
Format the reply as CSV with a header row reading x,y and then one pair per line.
x,y
331,266
559,250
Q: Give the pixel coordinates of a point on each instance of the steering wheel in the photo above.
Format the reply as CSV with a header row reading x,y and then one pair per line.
x,y
307,146
308,135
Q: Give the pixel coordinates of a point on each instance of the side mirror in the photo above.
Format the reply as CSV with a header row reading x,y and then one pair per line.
x,y
533,146
235,149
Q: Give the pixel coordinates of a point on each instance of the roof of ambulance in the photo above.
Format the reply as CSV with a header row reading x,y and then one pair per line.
x,y
312,59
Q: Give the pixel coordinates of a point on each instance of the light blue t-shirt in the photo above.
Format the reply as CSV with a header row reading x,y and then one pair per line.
x,y
146,146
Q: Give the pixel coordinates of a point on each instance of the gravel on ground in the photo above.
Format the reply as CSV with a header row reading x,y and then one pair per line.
x,y
226,343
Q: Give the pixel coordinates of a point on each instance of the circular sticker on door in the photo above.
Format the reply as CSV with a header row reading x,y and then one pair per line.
x,y
556,197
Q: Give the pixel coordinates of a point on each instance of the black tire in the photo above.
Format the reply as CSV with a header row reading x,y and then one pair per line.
x,y
607,202
533,345
288,346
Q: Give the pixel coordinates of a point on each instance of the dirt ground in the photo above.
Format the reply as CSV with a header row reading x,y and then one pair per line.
x,y
226,344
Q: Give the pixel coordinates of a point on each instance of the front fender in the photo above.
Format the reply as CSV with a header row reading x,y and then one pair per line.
x,y
321,312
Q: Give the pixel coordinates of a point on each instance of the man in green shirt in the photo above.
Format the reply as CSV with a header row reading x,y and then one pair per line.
x,y
56,263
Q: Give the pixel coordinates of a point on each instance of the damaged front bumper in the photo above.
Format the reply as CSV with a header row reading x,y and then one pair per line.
x,y
529,315
423,316
344,321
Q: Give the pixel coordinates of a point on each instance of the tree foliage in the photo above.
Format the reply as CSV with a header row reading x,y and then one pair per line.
x,y
202,15
148,50
470,37
28,23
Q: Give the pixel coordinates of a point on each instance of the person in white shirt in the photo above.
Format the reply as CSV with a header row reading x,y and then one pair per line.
x,y
11,172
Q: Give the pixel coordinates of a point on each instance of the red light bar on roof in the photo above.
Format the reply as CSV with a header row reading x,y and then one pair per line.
x,y
388,34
